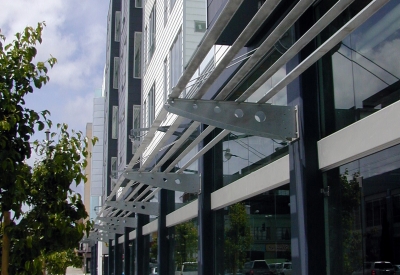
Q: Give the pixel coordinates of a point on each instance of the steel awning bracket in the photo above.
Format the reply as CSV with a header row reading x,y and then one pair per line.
x,y
189,183
97,236
265,120
115,229
119,221
146,208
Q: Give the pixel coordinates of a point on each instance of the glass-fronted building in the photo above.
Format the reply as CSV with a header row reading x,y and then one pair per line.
x,y
309,183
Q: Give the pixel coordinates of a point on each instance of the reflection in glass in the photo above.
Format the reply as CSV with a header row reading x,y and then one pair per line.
x,y
153,249
237,238
186,243
365,75
255,229
243,154
352,245
362,213
186,247
182,198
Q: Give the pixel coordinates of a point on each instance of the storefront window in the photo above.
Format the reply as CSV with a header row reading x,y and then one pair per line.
x,y
185,246
153,249
132,265
257,229
362,213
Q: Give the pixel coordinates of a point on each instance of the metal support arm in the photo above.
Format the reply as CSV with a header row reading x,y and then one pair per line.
x,y
188,183
119,221
146,208
114,229
97,236
265,120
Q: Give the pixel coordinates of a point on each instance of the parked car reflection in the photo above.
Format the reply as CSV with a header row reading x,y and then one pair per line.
x,y
376,268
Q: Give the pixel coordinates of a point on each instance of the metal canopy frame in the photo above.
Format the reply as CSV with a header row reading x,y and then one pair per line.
x,y
189,183
227,89
265,120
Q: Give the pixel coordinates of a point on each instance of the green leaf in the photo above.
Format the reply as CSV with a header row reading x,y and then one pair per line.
x,y
41,125
37,82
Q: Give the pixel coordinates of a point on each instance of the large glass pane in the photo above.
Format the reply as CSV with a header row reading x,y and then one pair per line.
x,y
153,253
364,76
362,218
183,198
132,244
257,234
186,248
243,154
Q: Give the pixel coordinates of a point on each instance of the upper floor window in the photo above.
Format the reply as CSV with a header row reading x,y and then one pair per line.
x,y
176,60
138,3
166,88
114,123
145,48
117,35
136,126
114,168
151,106
116,72
152,32
137,51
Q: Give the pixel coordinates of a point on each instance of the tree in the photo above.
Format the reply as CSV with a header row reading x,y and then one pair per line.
x,y
237,238
57,263
18,77
54,221
186,242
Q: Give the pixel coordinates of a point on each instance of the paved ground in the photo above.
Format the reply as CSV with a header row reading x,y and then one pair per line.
x,y
74,271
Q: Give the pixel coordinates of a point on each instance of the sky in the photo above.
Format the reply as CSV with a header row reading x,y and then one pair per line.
x,y
75,34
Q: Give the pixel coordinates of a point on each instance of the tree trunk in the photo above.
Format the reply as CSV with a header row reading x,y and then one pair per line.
x,y
6,244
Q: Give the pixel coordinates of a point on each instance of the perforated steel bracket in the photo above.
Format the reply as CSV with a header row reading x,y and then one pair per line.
x,y
114,229
126,222
97,236
265,120
189,183
146,208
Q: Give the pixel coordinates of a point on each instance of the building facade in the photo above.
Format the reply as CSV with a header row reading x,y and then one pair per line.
x,y
268,132
116,114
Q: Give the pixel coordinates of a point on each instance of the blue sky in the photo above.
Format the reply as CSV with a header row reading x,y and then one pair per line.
x,y
76,35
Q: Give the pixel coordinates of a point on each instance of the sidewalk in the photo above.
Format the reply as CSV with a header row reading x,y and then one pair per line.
x,y
75,271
